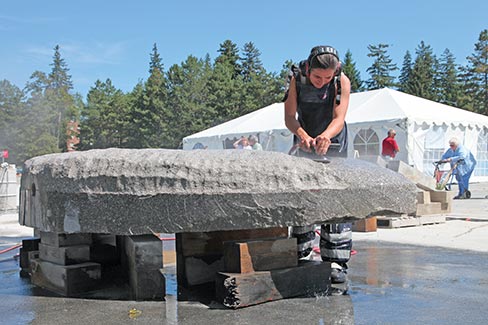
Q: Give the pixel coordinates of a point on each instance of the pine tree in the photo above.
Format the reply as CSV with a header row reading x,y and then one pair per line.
x,y
349,69
188,93
381,69
229,55
226,84
11,112
150,115
476,85
59,79
47,110
104,119
58,92
260,86
449,89
421,82
405,72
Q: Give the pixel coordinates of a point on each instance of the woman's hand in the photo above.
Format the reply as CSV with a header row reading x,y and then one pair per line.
x,y
306,143
322,143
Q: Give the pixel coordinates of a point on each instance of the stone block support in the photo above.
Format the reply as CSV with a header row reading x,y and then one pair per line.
x,y
144,260
67,255
30,247
67,280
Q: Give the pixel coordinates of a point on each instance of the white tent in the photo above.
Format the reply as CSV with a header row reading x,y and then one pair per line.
x,y
423,129
267,123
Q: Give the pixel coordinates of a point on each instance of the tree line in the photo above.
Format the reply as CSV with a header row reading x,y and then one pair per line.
x,y
200,93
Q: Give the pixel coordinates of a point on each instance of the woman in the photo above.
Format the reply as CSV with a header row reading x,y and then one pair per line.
x,y
458,153
316,104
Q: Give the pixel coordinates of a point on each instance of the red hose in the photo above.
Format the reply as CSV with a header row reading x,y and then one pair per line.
x,y
10,248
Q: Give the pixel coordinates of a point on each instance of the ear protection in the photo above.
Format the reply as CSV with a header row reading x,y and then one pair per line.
x,y
323,49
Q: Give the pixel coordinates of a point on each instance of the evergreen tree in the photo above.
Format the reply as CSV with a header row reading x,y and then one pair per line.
x,y
381,69
260,87
449,88
59,79
421,82
188,93
11,113
150,115
58,94
350,70
104,119
229,55
226,84
468,86
476,85
224,93
47,110
405,72
39,130
251,62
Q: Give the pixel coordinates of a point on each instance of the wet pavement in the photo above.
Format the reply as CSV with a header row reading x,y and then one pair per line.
x,y
389,283
402,284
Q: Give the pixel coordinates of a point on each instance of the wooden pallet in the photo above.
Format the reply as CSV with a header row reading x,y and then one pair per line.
x,y
408,221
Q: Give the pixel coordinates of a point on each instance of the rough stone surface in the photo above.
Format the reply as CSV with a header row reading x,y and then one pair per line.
x,y
141,191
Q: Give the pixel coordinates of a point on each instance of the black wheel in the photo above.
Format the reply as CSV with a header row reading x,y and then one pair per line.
x,y
468,194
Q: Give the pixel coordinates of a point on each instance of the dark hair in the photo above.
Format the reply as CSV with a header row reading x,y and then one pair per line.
x,y
324,61
323,57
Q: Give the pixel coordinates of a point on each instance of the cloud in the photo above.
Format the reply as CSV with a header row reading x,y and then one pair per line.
x,y
85,53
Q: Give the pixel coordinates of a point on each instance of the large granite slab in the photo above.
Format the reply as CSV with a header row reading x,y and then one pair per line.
x,y
141,191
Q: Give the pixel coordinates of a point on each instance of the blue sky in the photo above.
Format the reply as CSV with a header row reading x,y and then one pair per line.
x,y
113,39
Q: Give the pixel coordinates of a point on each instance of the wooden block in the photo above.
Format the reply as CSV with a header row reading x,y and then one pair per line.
x,y
432,219
423,197
441,196
208,247
446,207
237,290
260,255
397,221
430,208
203,243
365,225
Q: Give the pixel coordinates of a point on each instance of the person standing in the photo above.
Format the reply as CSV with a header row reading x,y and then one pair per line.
x,y
389,145
316,103
254,143
242,143
466,163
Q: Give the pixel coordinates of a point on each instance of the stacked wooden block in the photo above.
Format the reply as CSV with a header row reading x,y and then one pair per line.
x,y
249,267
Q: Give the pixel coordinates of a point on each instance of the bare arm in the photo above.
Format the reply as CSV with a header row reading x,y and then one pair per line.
x,y
291,121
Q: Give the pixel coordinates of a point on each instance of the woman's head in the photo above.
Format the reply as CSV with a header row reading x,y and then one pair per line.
x,y
323,65
454,143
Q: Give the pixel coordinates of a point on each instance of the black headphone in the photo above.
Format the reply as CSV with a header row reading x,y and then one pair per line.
x,y
323,49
